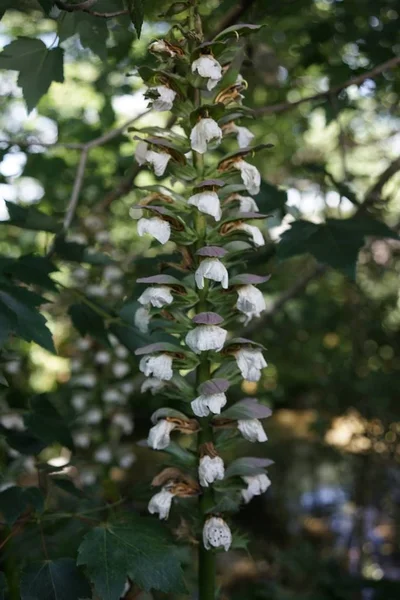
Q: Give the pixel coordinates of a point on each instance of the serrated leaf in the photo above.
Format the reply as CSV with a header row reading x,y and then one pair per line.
x,y
22,441
45,422
31,269
75,252
16,500
92,31
138,548
28,217
37,65
87,321
54,580
336,242
136,13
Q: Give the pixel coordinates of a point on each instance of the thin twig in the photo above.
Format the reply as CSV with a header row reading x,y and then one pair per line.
x,y
86,8
375,192
284,106
76,190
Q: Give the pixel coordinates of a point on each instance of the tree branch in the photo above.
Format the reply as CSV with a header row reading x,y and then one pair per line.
x,y
86,7
374,194
284,106
232,16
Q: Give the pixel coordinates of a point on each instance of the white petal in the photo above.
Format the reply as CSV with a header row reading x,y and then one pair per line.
x,y
159,435
216,534
161,504
206,337
165,99
142,319
250,301
141,152
250,176
158,160
246,203
208,67
252,430
203,405
159,366
256,485
204,132
210,469
254,232
152,384
244,136
250,362
207,203
211,268
157,296
159,229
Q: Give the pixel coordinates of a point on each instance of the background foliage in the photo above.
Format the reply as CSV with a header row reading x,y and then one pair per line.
x,y
325,90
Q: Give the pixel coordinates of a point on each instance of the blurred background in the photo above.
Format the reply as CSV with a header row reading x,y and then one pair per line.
x,y
328,528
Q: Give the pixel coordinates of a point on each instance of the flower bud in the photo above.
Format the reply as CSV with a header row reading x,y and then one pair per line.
x,y
157,296
160,366
204,132
211,268
207,203
211,468
216,534
165,99
159,434
256,485
250,362
250,301
161,503
252,430
142,319
250,176
206,337
209,68
204,405
159,229
254,232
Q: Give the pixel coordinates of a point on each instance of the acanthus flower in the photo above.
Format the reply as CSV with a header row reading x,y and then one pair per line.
x,y
250,362
250,301
203,405
159,434
159,366
209,68
246,203
207,203
252,430
206,337
243,134
254,232
161,503
158,160
250,176
211,468
205,131
142,319
211,268
256,485
162,47
165,100
152,384
158,228
157,296
216,534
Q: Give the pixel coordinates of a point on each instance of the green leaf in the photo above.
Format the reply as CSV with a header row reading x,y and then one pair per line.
x,y
46,5
31,269
336,242
16,500
75,252
239,28
54,580
138,548
270,197
30,218
22,441
67,486
136,13
87,320
92,31
27,322
45,422
37,65
3,580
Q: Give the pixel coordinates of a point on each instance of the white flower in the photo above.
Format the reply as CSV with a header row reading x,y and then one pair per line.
x,y
103,455
12,421
142,319
244,135
206,337
152,384
208,203
211,268
157,296
250,176
124,422
112,273
158,160
86,380
159,434
252,430
159,229
113,396
121,352
161,46
79,401
102,357
96,290
246,203
120,369
82,440
161,503
208,67
210,469
256,485
204,405
216,533
127,460
254,232
204,132
93,416
250,362
160,366
250,301
165,99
